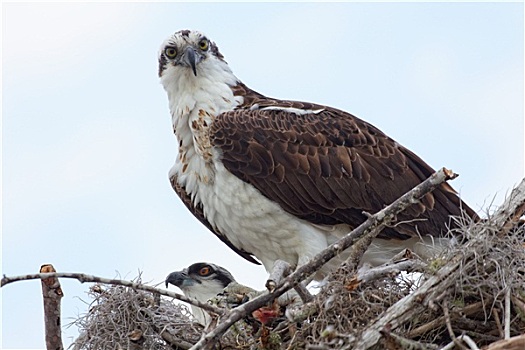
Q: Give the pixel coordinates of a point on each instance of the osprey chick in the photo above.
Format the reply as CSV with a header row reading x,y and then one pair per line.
x,y
205,281
201,281
279,179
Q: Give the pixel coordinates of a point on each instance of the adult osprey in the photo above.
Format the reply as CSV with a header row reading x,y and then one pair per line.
x,y
279,179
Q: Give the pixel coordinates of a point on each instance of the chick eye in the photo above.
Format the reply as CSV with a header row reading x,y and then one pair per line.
x,y
205,271
203,44
170,52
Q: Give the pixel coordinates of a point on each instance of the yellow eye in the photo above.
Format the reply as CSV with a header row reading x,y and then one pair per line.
x,y
205,271
170,52
203,44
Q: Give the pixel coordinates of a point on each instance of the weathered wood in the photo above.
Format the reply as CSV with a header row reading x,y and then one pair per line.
x,y
52,293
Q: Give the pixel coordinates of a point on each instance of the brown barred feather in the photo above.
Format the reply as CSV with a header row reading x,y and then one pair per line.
x,y
328,167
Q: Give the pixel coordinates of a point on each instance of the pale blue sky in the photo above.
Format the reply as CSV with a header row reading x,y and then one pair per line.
x,y
87,141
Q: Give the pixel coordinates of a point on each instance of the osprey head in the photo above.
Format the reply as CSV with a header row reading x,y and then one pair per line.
x,y
201,281
187,50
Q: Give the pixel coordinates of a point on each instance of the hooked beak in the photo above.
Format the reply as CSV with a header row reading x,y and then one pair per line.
x,y
179,279
175,278
190,59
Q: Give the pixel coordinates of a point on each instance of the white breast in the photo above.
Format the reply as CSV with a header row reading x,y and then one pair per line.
x,y
257,225
248,219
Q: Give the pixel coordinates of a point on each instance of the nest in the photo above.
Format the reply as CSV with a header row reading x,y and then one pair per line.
x,y
470,301
124,318
475,290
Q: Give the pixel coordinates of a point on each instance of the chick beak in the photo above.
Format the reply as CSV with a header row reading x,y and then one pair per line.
x,y
175,278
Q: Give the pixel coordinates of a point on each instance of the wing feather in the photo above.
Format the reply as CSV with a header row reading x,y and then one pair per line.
x,y
329,167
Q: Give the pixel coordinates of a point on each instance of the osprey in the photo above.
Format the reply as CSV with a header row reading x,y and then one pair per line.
x,y
201,281
206,281
277,179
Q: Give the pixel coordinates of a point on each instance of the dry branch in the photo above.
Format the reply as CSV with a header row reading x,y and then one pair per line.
x,y
52,294
409,265
370,228
82,278
280,270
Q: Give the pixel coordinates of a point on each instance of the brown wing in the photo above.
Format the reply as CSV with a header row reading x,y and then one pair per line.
x,y
199,214
329,167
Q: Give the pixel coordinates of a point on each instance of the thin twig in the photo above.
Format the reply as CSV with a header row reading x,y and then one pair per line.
x,y
396,341
507,313
167,335
466,311
303,293
518,304
302,312
456,341
498,322
358,250
378,272
468,340
82,278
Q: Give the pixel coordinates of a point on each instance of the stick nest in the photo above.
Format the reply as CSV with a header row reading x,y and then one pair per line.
x,y
470,301
479,293
123,318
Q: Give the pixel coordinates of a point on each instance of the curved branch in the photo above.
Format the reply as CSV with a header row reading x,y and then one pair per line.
x,y
82,278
